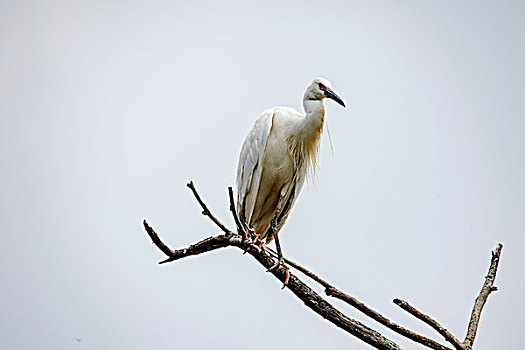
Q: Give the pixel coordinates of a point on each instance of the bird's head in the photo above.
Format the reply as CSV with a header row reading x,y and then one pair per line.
x,y
321,88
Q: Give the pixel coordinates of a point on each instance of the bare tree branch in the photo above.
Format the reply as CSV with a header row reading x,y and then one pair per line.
x,y
317,303
488,287
431,322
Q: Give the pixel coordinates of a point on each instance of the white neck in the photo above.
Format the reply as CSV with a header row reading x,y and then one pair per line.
x,y
312,123
304,140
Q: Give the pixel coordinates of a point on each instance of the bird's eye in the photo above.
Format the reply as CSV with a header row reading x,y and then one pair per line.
x,y
322,87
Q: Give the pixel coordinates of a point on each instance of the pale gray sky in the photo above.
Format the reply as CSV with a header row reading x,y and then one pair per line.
x,y
108,108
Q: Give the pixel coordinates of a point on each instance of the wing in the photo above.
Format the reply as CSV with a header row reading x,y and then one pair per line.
x,y
249,168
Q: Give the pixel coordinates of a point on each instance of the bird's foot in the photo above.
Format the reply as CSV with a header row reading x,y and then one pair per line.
x,y
281,262
251,233
256,240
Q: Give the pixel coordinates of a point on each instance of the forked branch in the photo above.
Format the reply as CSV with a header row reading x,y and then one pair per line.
x,y
317,303
488,287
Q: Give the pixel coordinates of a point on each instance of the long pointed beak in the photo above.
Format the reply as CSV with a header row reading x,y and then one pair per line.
x,y
331,94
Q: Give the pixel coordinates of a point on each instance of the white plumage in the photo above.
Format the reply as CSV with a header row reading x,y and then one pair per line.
x,y
277,154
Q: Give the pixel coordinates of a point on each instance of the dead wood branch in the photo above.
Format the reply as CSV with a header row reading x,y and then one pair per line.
x,y
488,287
317,303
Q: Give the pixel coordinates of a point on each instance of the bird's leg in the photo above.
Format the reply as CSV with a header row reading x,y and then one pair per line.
x,y
276,237
250,233
280,260
273,228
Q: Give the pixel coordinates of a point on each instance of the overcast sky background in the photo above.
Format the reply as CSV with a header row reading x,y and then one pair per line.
x,y
108,108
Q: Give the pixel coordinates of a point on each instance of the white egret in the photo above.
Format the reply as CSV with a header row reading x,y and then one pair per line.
x,y
277,154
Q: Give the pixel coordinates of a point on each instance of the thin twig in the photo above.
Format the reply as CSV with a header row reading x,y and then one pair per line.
x,y
205,210
431,322
330,290
157,241
240,228
488,287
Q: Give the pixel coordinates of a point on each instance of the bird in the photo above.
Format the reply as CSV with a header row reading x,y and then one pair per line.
x,y
278,154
